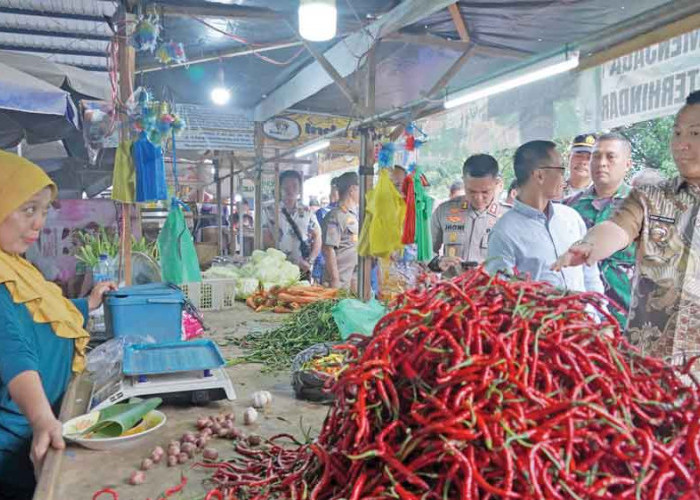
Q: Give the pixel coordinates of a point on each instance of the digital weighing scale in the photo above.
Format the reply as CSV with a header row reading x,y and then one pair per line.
x,y
174,370
196,387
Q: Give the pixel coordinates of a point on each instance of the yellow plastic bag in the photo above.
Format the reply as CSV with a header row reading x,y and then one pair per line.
x,y
124,176
384,217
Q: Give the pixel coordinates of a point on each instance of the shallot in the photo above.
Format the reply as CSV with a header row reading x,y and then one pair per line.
x,y
137,477
157,454
146,464
183,457
210,454
172,460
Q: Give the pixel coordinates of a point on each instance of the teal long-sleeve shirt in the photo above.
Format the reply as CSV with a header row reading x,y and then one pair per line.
x,y
27,345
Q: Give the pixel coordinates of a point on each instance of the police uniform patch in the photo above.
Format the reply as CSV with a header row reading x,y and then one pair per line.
x,y
454,219
452,237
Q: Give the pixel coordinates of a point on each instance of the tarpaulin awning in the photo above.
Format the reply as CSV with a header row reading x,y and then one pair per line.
x,y
32,109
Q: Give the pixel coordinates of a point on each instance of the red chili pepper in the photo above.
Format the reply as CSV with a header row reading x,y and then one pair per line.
x,y
106,491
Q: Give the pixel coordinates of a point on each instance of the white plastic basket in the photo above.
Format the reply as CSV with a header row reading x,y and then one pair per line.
x,y
211,294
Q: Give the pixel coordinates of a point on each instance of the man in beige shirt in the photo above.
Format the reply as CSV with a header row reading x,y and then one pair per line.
x,y
341,229
662,219
460,227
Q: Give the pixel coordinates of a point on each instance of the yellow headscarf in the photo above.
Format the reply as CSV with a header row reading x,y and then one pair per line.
x,y
20,179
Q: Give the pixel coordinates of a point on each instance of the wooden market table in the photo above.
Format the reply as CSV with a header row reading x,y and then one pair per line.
x,y
77,473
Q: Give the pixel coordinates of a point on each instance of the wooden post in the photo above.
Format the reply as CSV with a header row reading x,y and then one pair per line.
x,y
219,204
364,278
277,199
258,184
126,65
232,202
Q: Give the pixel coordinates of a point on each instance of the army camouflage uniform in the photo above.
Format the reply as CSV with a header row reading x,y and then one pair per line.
x,y
617,271
664,317
463,231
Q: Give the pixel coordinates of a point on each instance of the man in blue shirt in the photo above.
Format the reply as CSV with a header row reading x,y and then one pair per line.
x,y
535,232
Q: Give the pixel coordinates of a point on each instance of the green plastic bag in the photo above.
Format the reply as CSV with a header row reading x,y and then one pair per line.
x,y
178,257
355,316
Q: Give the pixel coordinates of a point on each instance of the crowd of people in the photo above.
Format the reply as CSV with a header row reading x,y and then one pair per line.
x,y
589,230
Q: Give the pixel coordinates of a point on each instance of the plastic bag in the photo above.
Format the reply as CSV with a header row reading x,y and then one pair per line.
x,y
124,176
178,257
385,212
105,360
398,275
307,384
355,316
150,170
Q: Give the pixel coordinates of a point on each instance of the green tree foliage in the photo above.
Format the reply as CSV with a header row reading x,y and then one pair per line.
x,y
650,145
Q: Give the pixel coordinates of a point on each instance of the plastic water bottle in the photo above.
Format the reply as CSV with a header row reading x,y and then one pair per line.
x,y
103,270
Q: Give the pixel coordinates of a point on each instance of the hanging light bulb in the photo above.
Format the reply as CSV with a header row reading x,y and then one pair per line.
x,y
317,19
220,95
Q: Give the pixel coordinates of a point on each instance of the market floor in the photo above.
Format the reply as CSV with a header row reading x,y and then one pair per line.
x,y
82,472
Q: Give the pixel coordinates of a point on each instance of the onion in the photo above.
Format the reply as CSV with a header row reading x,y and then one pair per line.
x,y
137,477
188,437
157,454
201,442
231,417
202,423
216,428
189,448
235,433
250,415
210,454
206,432
174,449
146,464
172,460
183,457
254,440
223,433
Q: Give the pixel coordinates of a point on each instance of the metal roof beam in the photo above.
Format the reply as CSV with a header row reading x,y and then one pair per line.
x,y
52,50
55,34
52,13
344,56
218,10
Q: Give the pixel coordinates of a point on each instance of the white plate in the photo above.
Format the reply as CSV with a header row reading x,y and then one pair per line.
x,y
151,421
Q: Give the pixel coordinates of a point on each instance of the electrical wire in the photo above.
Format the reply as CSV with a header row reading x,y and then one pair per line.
x,y
253,45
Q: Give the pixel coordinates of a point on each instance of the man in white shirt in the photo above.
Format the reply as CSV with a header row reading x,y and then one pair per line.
x,y
535,232
299,231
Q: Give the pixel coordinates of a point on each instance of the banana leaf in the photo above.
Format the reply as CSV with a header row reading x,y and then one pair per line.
x,y
115,420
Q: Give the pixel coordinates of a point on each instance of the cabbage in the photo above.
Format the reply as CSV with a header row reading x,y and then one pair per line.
x,y
245,287
221,272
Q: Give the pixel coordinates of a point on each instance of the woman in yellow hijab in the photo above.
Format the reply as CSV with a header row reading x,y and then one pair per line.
x,y
42,340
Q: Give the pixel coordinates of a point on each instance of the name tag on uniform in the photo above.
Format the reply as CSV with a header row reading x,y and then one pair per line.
x,y
661,218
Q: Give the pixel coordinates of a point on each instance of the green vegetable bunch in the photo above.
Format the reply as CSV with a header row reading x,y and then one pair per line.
x,y
93,244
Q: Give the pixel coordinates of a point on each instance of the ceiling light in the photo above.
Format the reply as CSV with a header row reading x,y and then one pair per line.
x,y
317,20
220,96
312,148
540,70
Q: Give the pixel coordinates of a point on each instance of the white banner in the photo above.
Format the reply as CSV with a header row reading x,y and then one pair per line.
x,y
213,128
650,83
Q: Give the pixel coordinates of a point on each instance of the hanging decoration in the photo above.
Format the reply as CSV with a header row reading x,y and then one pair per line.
x,y
146,33
386,155
153,118
171,53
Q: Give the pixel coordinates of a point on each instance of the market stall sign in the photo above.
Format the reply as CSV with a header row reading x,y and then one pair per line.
x,y
651,82
214,128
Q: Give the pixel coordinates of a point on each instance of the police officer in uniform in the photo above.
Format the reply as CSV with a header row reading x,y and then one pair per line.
x,y
460,227
341,230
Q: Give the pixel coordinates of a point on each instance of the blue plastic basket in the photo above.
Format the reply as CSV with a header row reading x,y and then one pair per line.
x,y
150,359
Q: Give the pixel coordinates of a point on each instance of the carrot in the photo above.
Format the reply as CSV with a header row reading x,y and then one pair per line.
x,y
299,299
249,302
282,310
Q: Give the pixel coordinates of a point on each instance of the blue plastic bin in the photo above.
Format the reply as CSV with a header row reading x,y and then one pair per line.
x,y
153,310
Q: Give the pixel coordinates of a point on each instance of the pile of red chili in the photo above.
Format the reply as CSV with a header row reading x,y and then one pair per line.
x,y
483,388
